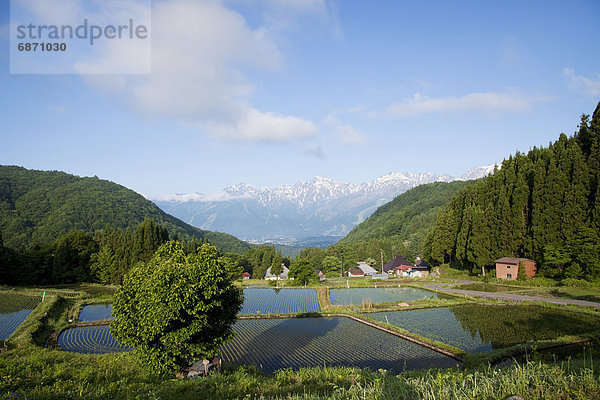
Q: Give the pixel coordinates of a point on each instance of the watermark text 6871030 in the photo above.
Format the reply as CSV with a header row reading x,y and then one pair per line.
x,y
89,37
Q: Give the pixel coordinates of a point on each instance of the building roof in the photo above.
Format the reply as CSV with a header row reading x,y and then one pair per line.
x,y
283,275
421,263
511,260
366,268
246,274
404,267
356,272
395,262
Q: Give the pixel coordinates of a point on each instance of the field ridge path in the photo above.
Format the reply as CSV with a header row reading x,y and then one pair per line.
x,y
508,296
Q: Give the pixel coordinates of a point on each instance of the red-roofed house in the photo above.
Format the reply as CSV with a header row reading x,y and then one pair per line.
x,y
246,275
392,267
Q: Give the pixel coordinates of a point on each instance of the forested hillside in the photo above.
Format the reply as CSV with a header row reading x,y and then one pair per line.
x,y
409,217
543,205
36,207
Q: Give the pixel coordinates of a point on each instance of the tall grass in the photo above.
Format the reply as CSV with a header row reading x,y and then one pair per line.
x,y
50,374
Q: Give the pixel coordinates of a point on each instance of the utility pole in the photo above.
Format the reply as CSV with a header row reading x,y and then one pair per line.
x,y
381,261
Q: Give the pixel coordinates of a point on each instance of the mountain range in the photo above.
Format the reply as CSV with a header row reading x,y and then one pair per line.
x,y
315,212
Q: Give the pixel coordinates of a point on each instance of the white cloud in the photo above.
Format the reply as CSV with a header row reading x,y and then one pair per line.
x,y
53,11
186,197
285,15
200,51
349,136
488,102
254,125
344,133
581,84
315,7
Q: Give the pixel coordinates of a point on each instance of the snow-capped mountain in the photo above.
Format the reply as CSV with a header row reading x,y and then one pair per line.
x,y
288,214
479,172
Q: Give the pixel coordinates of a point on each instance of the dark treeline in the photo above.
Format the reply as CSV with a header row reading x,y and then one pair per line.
x,y
544,205
107,256
80,257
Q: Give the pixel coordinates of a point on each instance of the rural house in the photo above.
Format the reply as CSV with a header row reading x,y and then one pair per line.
x,y
366,268
320,274
508,267
246,276
355,273
421,268
403,270
283,276
391,267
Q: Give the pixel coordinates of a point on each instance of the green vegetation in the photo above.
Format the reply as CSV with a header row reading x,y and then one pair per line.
x,y
51,374
481,328
14,309
256,261
302,272
404,221
544,205
10,302
487,287
37,207
176,308
32,371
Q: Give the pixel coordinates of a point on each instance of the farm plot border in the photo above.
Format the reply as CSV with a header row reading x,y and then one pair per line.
x,y
410,338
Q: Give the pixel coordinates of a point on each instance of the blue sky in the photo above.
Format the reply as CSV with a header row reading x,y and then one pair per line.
x,y
271,92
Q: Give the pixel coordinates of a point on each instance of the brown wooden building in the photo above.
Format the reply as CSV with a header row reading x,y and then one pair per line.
x,y
508,267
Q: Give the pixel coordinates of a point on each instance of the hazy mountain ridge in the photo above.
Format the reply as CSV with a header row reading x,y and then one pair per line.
x,y
289,213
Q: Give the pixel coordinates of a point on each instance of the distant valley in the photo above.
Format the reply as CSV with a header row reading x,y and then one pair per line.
x,y
314,213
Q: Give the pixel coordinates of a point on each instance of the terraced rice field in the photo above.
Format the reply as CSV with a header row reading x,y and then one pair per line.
x,y
282,301
435,323
14,309
478,328
272,344
90,340
96,312
359,296
311,342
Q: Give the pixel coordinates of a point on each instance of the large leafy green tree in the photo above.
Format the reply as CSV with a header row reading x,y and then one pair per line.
x,y
302,272
331,266
176,308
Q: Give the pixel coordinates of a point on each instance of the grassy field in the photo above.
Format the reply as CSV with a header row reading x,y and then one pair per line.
x,y
29,370
50,374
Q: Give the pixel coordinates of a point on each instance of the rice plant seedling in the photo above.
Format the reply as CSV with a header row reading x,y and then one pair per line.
x,y
312,342
272,344
90,340
96,312
479,328
282,301
14,309
356,296
435,323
